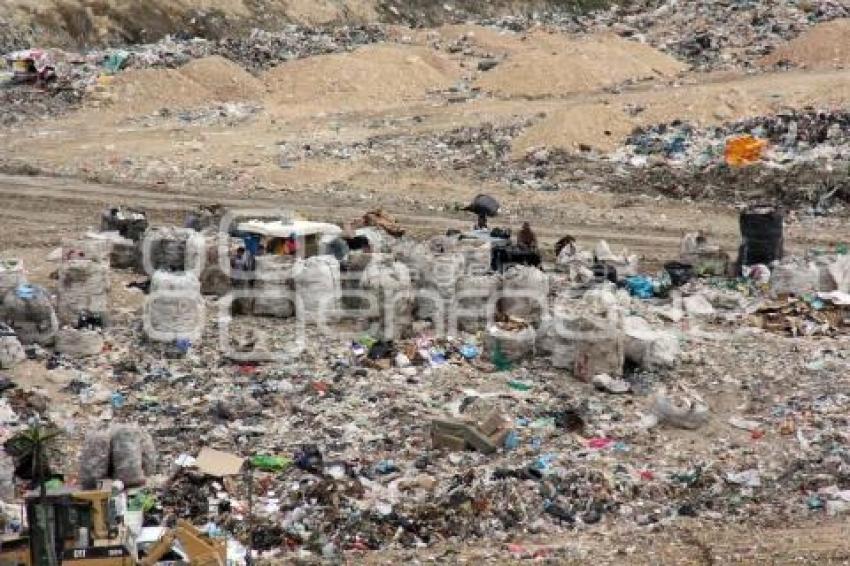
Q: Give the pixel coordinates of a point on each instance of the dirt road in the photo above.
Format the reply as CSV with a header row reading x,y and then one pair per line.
x,y
38,211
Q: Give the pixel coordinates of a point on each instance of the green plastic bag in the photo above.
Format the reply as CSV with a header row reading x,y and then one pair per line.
x,y
141,501
499,359
115,61
519,385
268,463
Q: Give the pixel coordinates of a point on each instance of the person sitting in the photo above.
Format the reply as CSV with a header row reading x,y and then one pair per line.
x,y
568,243
526,239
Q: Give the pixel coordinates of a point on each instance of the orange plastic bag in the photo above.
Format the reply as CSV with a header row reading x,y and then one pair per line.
x,y
744,150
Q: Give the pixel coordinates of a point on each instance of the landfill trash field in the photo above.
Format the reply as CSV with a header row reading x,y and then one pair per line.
x,y
372,281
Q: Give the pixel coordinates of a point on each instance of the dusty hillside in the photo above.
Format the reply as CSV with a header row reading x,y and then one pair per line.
x,y
824,46
76,23
555,65
93,22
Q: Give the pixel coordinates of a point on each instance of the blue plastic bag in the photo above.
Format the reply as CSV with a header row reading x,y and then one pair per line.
x,y
639,286
469,351
26,292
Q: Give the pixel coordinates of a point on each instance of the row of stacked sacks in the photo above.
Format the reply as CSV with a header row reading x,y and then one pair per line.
x,y
442,280
27,311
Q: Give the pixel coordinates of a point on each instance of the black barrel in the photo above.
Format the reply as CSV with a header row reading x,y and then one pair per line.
x,y
762,238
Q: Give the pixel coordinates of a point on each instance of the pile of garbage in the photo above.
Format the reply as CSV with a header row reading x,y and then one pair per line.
x,y
484,148
677,159
713,36
73,75
262,50
791,138
582,401
708,35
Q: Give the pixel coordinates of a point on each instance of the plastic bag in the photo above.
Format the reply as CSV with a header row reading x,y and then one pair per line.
x,y
268,463
640,287
679,411
11,352
526,292
94,458
744,150
83,286
513,345
148,454
127,455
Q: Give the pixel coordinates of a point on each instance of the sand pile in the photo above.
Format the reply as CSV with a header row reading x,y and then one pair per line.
x,y
495,41
595,125
226,80
604,124
824,46
378,75
313,12
145,91
202,82
554,65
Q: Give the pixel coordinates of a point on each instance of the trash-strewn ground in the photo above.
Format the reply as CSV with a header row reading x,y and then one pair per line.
x,y
607,125
637,495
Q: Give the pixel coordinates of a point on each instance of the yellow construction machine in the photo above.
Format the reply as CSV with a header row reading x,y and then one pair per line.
x,y
72,527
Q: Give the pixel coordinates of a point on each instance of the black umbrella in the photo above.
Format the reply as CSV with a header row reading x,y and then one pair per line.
x,y
484,205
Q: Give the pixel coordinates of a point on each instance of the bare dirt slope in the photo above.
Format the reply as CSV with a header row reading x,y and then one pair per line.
x,y
683,545
550,65
825,46
75,23
201,82
91,22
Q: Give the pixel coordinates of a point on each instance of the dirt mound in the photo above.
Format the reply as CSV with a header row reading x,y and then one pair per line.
x,y
597,126
226,80
495,41
554,65
201,82
604,124
824,46
145,91
382,75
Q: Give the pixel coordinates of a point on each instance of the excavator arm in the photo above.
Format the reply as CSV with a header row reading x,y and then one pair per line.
x,y
200,550
159,550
